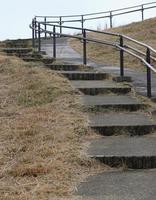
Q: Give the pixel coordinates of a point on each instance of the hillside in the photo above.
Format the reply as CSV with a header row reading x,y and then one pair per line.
x,y
41,132
142,31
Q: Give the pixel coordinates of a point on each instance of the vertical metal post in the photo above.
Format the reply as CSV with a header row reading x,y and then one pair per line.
x,y
60,26
39,37
54,41
35,25
33,34
84,47
45,27
82,23
121,58
142,11
148,59
111,20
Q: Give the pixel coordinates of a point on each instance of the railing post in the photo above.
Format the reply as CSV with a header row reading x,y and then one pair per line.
x,y
33,34
45,27
142,11
39,37
111,20
121,57
148,59
54,41
82,22
84,47
35,25
60,26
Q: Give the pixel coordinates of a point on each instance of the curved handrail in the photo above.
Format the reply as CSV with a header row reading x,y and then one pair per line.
x,y
37,30
106,33
97,15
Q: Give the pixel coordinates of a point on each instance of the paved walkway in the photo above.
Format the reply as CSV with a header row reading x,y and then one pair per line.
x,y
68,55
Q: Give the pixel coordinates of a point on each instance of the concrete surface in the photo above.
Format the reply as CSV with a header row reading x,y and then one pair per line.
x,y
120,185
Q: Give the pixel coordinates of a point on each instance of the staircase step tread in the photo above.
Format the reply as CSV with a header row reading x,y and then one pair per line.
x,y
119,119
123,147
97,84
81,72
62,65
119,185
88,100
20,48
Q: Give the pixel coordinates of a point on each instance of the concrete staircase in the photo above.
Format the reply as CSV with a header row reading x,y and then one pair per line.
x,y
125,126
28,55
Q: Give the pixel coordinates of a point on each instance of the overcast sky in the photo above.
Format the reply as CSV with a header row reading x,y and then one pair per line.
x,y
16,15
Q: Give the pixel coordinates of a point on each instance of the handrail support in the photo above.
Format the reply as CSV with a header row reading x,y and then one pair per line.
x,y
84,47
60,23
121,57
39,37
142,12
45,27
111,20
33,33
82,23
54,41
148,59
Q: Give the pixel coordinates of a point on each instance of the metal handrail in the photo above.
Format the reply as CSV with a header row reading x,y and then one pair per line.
x,y
97,13
106,33
37,30
105,14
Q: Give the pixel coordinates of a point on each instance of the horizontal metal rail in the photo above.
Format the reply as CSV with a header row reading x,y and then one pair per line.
x,y
105,33
44,27
98,15
138,51
80,29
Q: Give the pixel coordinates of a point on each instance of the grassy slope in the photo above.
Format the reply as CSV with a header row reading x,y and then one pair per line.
x,y
42,130
142,31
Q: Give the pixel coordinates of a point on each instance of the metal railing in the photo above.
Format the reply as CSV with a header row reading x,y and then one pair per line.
x,y
146,56
124,44
60,20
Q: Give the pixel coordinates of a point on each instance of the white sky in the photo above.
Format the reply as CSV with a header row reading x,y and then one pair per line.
x,y
16,15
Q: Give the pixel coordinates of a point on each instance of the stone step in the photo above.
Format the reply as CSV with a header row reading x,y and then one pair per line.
x,y
84,75
119,185
132,152
63,67
17,50
100,87
31,59
28,55
121,123
66,67
35,59
96,103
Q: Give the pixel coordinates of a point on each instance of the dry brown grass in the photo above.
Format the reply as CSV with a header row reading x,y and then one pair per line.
x,y
142,31
42,134
25,43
